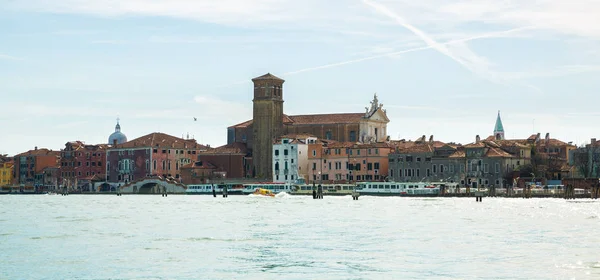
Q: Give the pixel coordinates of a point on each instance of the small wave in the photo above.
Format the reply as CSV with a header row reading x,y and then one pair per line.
x,y
593,217
201,239
596,265
282,195
51,237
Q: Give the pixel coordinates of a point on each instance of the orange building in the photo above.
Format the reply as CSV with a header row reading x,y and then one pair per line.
x,y
30,166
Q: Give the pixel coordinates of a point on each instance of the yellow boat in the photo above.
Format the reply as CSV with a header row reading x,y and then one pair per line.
x,y
264,192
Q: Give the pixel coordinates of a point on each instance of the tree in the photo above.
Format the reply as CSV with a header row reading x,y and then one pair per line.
x,y
583,162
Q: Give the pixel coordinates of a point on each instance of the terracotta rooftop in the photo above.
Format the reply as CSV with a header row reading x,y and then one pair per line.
x,y
479,144
496,152
417,148
460,153
327,118
79,145
234,148
39,152
341,145
161,140
342,118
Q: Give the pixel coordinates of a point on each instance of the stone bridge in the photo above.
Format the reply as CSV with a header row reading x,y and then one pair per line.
x,y
154,185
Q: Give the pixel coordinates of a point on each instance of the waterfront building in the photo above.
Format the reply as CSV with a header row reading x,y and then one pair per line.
x,y
155,154
269,123
6,170
482,163
231,161
290,158
81,163
348,162
198,172
29,167
585,161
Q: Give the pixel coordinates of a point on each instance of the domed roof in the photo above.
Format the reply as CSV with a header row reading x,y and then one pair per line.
x,y
117,135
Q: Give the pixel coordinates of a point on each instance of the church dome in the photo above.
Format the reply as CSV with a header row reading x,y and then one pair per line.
x,y
117,135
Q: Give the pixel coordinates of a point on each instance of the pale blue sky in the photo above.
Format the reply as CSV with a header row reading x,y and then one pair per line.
x,y
68,68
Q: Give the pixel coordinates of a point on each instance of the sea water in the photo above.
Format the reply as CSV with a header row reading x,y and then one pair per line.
x,y
296,237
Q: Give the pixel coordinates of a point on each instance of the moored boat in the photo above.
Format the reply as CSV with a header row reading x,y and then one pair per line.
x,y
397,189
328,189
207,189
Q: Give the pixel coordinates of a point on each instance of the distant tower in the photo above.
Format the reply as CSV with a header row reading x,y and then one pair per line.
x,y
117,136
267,122
498,128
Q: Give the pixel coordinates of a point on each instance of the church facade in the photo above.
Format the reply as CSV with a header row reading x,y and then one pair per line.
x,y
269,122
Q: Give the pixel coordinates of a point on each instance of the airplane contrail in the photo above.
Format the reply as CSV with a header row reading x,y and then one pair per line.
x,y
482,36
426,38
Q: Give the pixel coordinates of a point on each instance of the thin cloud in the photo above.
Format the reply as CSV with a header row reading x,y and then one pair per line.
x,y
9,57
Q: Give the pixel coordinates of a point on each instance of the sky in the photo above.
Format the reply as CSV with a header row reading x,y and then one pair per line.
x,y
69,68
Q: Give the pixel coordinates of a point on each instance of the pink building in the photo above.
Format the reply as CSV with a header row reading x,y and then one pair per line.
x,y
345,162
155,154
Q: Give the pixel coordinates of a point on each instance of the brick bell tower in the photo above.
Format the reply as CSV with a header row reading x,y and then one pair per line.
x,y
267,122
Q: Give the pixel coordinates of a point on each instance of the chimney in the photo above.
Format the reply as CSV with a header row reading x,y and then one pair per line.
x,y
537,137
431,139
477,139
36,148
593,142
547,138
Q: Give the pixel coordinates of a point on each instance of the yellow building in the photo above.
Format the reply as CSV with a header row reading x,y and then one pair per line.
x,y
6,168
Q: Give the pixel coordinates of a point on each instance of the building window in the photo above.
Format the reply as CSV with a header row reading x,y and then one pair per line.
x,y
314,166
154,165
314,153
352,136
497,168
328,135
277,166
277,152
285,152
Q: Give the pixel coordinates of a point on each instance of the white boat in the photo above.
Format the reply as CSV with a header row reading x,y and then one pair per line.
x,y
328,189
207,189
397,189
